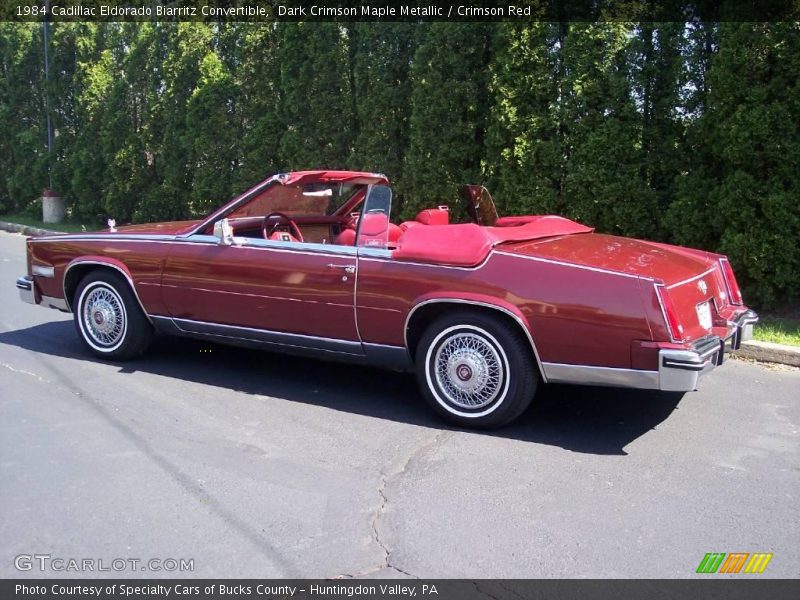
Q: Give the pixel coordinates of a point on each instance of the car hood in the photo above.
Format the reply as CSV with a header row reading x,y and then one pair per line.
x,y
164,228
670,264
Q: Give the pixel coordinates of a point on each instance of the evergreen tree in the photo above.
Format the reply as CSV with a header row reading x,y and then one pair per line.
x,y
381,62
315,108
601,131
449,106
23,137
260,96
748,179
214,134
85,165
657,81
180,49
524,146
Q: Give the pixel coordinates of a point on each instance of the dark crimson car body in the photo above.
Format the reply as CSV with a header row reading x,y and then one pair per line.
x,y
591,308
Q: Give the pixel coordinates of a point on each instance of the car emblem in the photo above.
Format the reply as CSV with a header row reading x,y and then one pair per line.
x,y
701,285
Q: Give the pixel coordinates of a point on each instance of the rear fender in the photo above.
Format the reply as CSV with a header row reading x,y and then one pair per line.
x,y
466,300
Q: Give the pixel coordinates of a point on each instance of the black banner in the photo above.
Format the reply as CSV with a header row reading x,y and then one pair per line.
x,y
412,11
734,588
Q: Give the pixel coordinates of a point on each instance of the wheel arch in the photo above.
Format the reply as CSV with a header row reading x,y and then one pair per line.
x,y
77,269
425,311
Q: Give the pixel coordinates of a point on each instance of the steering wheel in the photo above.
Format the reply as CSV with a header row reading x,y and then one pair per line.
x,y
281,219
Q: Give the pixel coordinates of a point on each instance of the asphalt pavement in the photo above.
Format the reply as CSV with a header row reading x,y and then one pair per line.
x,y
253,464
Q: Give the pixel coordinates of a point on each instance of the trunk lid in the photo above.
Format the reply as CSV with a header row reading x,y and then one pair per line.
x,y
692,279
624,255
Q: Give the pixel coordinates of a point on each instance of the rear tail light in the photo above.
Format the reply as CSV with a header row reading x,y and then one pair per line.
x,y
734,293
670,315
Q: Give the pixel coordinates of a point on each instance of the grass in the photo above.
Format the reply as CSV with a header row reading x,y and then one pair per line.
x,y
779,330
66,226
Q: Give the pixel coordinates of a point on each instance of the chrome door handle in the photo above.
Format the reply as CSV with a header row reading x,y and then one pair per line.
x,y
347,268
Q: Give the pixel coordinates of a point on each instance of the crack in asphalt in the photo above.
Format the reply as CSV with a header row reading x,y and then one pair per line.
x,y
30,373
387,478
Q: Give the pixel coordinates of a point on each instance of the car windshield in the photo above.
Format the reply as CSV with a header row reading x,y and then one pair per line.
x,y
315,199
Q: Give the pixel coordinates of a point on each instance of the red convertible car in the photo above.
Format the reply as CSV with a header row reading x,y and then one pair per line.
x,y
483,311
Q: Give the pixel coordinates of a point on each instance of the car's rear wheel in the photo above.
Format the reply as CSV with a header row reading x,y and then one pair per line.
x,y
475,370
108,317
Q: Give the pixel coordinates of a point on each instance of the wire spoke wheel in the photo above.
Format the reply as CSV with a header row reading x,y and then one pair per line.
x,y
104,317
475,369
468,370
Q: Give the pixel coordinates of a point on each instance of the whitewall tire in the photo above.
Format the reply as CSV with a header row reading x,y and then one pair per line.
x,y
475,370
108,318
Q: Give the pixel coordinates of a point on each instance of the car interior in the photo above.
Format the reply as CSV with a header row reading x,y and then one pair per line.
x,y
332,214
348,214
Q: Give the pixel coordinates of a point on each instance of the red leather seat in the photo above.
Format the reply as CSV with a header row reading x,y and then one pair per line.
x,y
434,216
394,232
372,230
346,238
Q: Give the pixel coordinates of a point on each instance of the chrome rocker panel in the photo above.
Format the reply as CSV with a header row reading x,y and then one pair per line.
x,y
678,370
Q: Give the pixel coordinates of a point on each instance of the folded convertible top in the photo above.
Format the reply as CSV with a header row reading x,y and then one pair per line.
x,y
468,244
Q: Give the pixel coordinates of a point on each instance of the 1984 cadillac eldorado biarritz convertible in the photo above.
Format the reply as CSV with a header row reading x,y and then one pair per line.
x,y
483,311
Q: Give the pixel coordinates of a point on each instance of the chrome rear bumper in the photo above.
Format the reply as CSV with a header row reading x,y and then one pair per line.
x,y
680,370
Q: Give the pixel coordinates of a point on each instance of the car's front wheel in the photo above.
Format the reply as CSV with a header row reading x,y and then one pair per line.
x,y
108,317
475,370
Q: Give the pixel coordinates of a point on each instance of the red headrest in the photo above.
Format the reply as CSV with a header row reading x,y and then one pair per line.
x,y
374,224
434,216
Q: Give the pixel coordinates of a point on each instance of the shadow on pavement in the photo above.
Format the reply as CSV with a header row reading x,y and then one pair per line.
x,y
591,420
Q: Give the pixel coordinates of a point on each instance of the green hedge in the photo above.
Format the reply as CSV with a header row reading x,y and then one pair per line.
x,y
679,132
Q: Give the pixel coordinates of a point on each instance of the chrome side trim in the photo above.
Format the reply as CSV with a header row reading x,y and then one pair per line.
x,y
266,336
43,271
79,261
485,305
690,279
364,251
573,265
375,257
678,370
277,246
106,237
26,291
606,376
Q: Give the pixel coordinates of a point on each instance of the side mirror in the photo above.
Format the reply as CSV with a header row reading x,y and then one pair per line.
x,y
223,232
